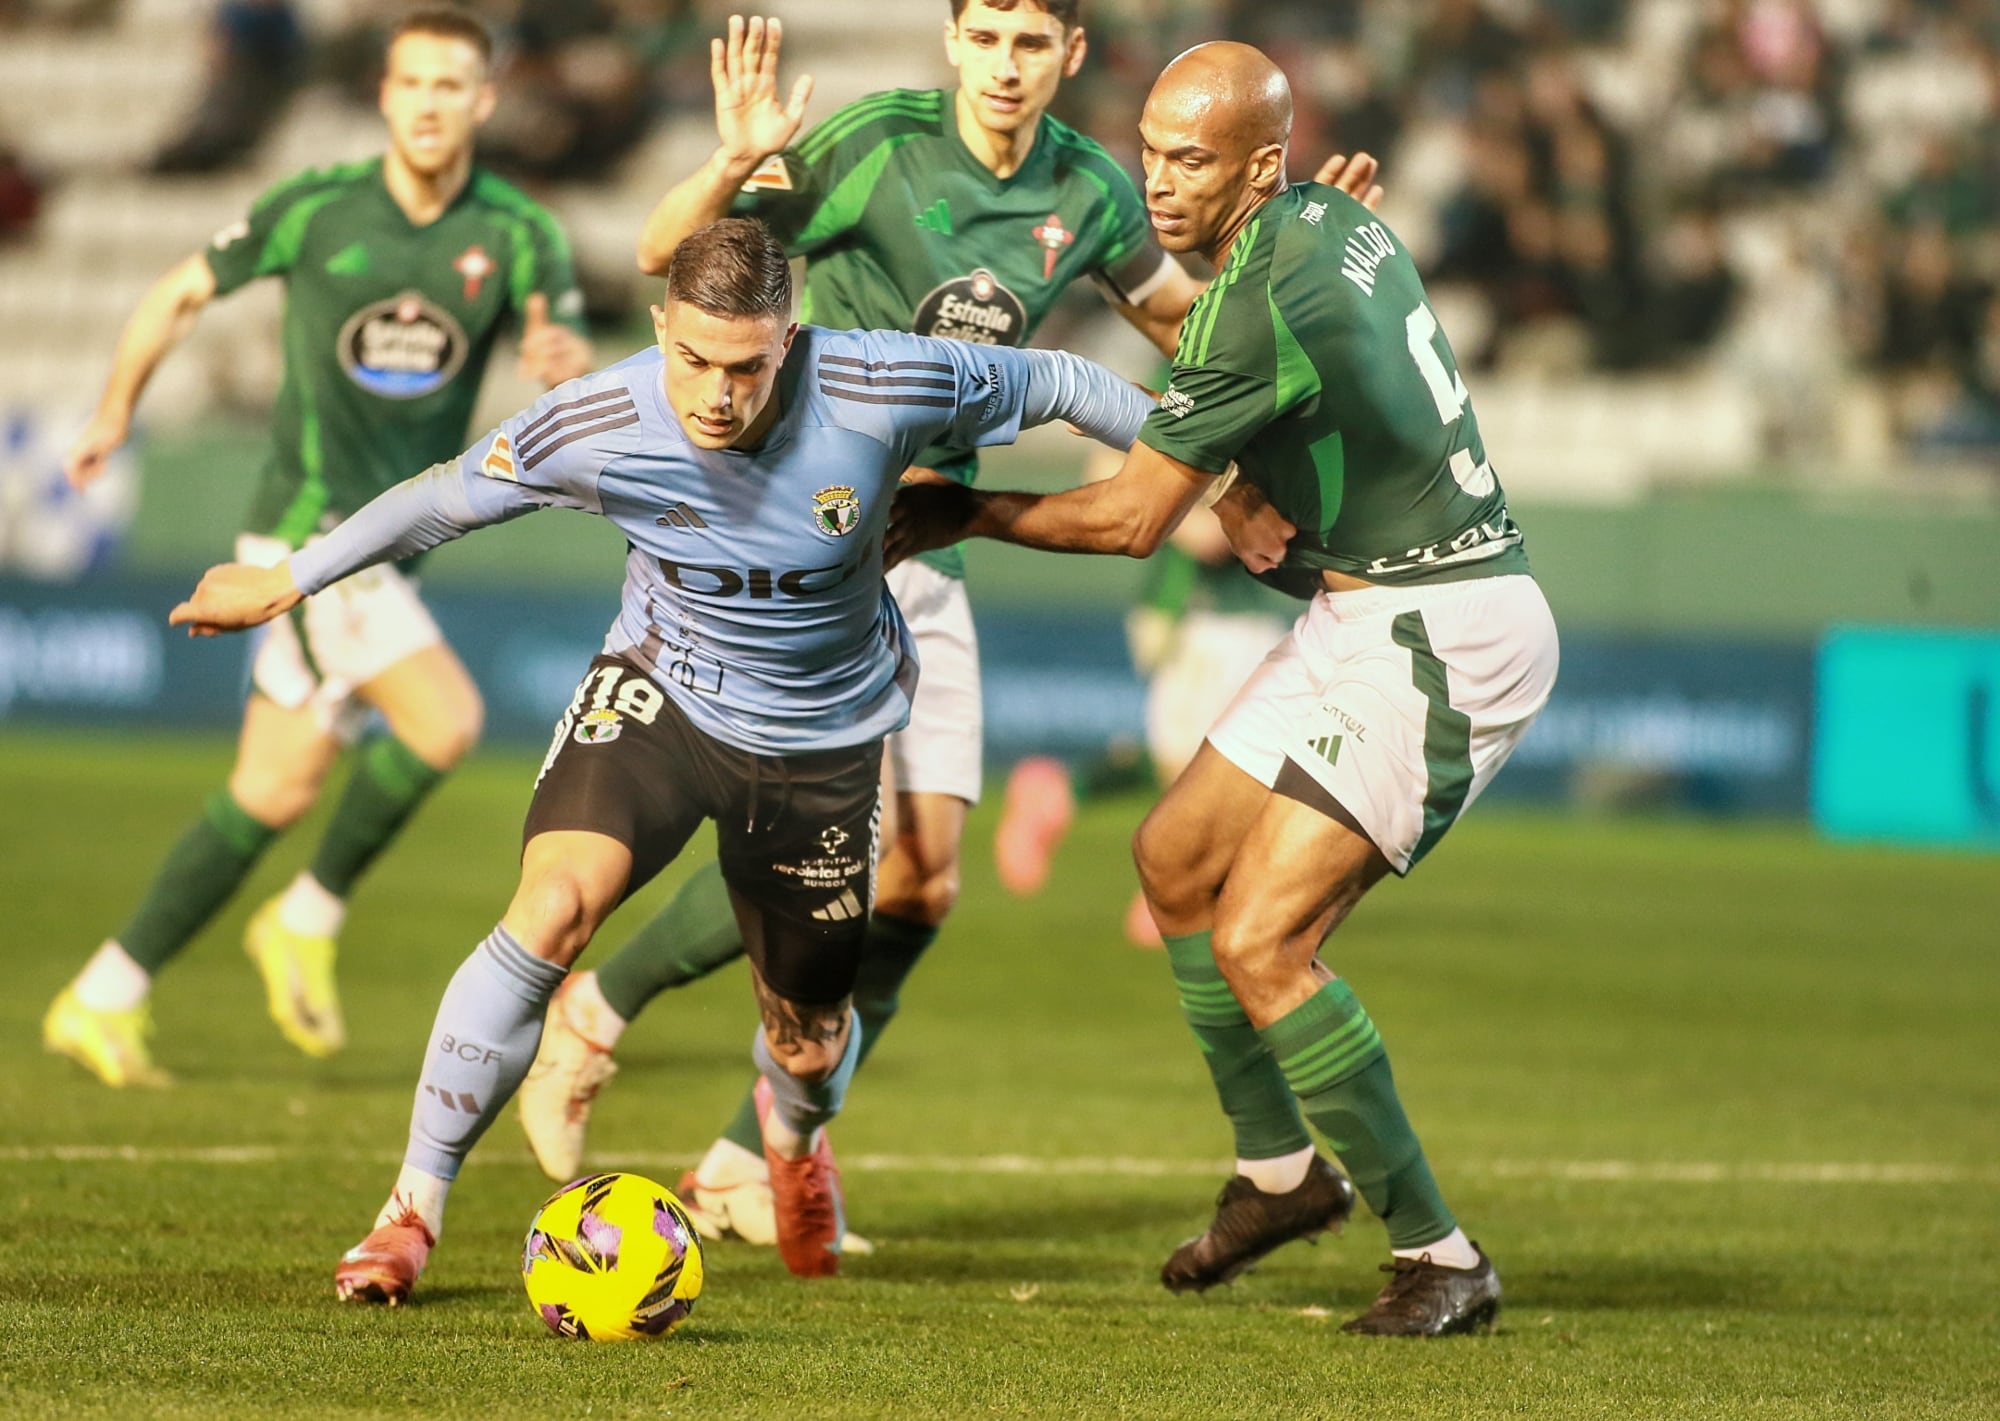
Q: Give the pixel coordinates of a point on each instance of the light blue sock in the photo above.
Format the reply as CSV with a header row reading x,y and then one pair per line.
x,y
488,1028
799,1105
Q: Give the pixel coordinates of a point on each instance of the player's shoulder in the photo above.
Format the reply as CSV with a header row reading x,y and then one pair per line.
x,y
496,195
885,114
601,411
864,380
1076,152
330,181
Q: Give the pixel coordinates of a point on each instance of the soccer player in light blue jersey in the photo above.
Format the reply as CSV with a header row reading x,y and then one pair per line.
x,y
755,666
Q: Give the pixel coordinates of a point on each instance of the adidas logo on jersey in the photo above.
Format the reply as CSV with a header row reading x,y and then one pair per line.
x,y
680,516
936,218
1327,747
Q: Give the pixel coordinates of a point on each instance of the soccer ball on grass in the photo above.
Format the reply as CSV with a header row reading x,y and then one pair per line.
x,y
612,1257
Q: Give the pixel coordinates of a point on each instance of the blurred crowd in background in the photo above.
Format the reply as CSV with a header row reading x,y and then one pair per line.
x,y
1794,191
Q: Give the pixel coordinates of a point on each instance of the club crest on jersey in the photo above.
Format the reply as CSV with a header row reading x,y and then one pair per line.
x,y
475,266
976,309
1053,239
836,511
402,348
598,727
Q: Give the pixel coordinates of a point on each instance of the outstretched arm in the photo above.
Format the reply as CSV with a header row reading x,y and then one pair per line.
x,y
752,123
1131,513
442,503
163,318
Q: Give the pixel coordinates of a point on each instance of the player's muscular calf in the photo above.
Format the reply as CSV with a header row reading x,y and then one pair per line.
x,y
1296,877
807,1040
570,882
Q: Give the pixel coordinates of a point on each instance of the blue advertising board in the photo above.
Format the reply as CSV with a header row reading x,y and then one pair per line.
x,y
1907,745
1708,725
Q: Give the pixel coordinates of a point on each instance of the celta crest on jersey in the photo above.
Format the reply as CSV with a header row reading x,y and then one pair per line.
x,y
1053,238
836,511
402,348
475,266
976,309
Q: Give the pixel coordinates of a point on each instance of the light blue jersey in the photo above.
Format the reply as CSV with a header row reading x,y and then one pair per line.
x,y
753,589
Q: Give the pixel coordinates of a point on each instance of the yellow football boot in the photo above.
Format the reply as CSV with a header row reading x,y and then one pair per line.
x,y
111,1045
298,982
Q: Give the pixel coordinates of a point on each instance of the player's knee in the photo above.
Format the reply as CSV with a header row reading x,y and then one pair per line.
x,y
812,1059
276,797
449,732
926,897
552,913
1166,871
1246,950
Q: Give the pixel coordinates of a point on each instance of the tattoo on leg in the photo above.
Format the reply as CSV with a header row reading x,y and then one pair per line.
x,y
793,1025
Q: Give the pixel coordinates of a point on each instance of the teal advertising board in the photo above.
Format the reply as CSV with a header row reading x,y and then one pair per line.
x,y
1907,740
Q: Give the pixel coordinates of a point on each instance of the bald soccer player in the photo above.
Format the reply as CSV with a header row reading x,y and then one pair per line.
x,y
1315,363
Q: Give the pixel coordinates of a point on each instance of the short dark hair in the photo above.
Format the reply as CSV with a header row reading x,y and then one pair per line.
x,y
447,22
1064,11
733,267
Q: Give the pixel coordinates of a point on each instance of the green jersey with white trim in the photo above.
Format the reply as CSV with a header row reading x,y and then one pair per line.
x,y
1314,362
387,327
904,229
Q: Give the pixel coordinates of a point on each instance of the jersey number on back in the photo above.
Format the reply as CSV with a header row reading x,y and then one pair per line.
x,y
1448,392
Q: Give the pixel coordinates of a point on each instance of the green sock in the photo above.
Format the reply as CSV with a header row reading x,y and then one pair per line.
x,y
693,935
1331,1053
211,860
385,790
892,949
1254,1096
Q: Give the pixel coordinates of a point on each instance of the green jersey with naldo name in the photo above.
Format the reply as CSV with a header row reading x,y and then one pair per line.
x,y
387,327
1315,363
904,229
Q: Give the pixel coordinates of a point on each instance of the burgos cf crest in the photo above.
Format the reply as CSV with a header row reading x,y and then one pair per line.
x,y
836,511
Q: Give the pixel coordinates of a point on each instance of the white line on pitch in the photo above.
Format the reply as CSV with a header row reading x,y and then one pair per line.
x,y
1566,1171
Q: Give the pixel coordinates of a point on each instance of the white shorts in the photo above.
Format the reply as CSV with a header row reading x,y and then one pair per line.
x,y
336,641
1212,655
1402,703
940,750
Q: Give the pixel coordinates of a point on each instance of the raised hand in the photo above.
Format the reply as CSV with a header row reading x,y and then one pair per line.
x,y
1354,176
550,351
236,595
749,118
85,462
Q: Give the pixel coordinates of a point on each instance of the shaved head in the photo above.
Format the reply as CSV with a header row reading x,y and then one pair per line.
x,y
1214,130
1231,93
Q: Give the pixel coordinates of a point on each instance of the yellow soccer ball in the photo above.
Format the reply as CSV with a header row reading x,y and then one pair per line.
x,y
612,1257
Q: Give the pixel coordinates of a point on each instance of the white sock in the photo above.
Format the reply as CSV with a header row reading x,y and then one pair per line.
x,y
416,1190
1277,1176
728,1163
112,981
1454,1250
589,1015
309,910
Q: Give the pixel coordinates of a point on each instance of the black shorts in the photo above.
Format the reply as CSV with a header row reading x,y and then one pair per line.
x,y
795,833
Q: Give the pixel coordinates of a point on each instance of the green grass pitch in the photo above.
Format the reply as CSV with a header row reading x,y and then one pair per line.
x,y
1721,1101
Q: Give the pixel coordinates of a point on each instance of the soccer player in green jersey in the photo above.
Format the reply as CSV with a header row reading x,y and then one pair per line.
x,y
399,273
962,213
1315,363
